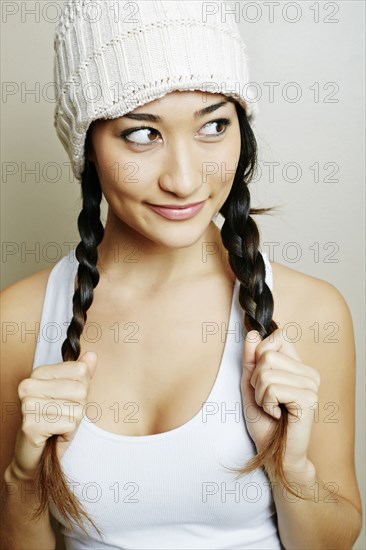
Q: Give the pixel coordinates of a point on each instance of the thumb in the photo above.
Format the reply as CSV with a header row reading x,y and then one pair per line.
x,y
251,342
91,359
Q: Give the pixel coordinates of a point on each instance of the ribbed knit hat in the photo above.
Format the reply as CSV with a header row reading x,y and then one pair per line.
x,y
114,56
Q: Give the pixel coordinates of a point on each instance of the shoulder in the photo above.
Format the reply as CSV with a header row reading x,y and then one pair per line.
x,y
21,310
317,321
299,295
26,294
25,297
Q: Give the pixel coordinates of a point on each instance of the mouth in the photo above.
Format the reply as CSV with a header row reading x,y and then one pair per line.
x,y
177,212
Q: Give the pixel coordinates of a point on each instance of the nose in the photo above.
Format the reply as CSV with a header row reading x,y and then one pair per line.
x,y
181,170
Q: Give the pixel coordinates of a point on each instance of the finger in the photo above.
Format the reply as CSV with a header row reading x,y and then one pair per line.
x,y
45,410
38,434
274,360
277,341
251,341
72,370
90,358
73,390
281,378
296,400
41,420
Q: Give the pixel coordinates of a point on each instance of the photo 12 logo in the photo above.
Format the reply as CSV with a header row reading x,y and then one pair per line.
x,y
272,12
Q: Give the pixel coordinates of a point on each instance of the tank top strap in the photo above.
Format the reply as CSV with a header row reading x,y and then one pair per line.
x,y
269,272
56,311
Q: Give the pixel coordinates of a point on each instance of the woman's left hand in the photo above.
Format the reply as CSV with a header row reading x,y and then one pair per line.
x,y
273,373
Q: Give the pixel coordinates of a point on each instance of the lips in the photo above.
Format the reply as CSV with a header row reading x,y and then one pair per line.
x,y
176,206
177,212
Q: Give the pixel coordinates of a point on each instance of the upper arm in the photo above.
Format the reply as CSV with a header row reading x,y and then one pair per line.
x,y
325,341
21,309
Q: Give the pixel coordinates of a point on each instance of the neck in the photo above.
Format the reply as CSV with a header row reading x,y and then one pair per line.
x,y
125,255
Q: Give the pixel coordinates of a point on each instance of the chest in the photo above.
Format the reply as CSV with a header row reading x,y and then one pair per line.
x,y
158,359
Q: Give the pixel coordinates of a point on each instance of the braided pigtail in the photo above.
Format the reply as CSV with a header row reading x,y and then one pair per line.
x,y
240,236
50,481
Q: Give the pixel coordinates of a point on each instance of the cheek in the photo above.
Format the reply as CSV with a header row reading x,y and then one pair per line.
x,y
122,180
227,161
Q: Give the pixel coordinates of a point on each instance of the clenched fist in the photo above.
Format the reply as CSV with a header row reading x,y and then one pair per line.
x,y
52,402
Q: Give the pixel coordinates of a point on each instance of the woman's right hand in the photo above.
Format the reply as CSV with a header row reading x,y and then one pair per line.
x,y
52,402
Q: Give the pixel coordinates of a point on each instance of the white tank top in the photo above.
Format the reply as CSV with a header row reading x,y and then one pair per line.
x,y
167,490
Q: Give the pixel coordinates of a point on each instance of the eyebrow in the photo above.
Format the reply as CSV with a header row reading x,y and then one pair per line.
x,y
156,118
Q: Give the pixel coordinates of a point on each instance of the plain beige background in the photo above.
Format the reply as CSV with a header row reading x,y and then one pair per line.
x,y
309,51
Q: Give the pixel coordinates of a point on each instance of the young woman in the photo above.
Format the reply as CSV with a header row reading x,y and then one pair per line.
x,y
163,405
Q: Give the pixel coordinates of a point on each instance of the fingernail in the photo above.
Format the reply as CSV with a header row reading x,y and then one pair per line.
x,y
253,336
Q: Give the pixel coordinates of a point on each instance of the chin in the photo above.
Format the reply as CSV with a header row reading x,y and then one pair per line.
x,y
181,235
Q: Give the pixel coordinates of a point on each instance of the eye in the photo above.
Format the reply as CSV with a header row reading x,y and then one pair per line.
x,y
143,138
223,122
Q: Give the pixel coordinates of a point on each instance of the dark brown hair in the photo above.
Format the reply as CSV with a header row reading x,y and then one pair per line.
x,y
240,236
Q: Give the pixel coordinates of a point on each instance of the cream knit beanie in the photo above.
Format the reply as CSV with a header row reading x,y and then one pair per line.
x,y
114,56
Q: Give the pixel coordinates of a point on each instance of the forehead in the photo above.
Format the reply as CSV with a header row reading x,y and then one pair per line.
x,y
180,105
193,99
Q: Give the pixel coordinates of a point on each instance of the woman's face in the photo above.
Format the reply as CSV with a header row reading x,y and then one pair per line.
x,y
179,157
